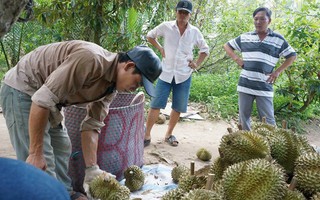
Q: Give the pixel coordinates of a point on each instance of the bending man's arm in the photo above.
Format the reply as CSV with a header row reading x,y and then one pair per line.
x,y
38,120
89,141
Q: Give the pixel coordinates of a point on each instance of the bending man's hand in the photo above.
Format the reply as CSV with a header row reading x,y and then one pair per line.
x,y
37,161
93,172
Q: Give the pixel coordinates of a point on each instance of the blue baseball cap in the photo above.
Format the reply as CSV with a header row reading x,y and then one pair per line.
x,y
149,64
184,5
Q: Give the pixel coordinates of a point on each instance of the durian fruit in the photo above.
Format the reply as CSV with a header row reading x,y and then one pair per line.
x,y
161,119
316,196
254,179
178,171
217,168
175,194
203,154
286,146
108,188
191,182
307,173
263,129
218,188
134,178
202,194
293,195
243,145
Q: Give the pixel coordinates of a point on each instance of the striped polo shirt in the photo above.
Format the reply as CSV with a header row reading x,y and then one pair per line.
x,y
260,58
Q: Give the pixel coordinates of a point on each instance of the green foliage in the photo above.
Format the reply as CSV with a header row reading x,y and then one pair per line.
x,y
217,91
23,38
119,25
302,85
204,85
116,25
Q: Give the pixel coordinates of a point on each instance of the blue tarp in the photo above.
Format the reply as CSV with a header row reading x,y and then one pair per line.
x,y
158,181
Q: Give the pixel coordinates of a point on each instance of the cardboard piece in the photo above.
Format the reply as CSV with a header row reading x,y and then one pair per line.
x,y
190,114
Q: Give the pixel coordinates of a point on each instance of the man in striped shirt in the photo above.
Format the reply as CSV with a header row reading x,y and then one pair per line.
x,y
260,50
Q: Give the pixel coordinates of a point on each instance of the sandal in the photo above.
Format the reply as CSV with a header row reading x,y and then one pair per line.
x,y
78,196
172,140
147,142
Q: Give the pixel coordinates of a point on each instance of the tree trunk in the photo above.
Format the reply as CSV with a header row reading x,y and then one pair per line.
x,y
9,13
98,26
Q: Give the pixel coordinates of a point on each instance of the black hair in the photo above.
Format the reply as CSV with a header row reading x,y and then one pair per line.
x,y
123,57
267,10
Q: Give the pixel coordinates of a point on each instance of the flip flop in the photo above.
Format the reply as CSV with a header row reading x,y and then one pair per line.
x,y
147,142
172,140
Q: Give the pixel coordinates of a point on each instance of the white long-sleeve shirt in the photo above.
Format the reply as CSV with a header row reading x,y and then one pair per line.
x,y
178,49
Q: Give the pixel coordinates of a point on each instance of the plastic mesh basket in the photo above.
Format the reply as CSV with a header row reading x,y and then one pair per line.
x,y
120,142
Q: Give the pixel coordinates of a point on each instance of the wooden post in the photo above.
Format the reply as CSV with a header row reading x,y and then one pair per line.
x,y
240,127
293,183
229,130
220,153
284,124
192,167
209,181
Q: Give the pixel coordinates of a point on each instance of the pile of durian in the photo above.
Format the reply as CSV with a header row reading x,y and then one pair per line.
x,y
108,188
266,163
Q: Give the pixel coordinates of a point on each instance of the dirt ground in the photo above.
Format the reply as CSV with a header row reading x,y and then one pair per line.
x,y
192,135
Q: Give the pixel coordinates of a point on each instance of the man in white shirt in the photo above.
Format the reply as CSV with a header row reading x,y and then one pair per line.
x,y
180,38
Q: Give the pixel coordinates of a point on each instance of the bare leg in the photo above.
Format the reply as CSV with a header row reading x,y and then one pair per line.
x,y
152,118
174,118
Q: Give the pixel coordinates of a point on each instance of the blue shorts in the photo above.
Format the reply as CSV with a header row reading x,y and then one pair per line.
x,y
180,95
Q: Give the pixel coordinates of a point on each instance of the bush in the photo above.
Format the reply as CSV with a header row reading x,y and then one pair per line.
x,y
217,91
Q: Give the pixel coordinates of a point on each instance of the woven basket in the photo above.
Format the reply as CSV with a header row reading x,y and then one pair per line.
x,y
120,142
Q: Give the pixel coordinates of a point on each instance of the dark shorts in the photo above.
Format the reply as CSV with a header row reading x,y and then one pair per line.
x,y
180,95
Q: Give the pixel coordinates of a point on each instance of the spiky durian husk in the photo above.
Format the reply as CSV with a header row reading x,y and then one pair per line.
x,y
316,196
286,146
201,194
252,180
243,145
263,129
218,188
175,194
178,171
307,173
203,154
134,178
191,182
217,168
293,195
108,189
